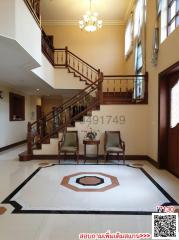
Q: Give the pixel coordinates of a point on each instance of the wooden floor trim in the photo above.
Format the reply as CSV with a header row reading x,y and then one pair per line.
x,y
12,145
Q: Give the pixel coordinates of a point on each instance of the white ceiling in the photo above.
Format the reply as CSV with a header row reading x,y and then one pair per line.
x,y
15,69
67,10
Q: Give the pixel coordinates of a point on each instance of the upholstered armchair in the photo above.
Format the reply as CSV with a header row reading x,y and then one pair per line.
x,y
69,145
113,144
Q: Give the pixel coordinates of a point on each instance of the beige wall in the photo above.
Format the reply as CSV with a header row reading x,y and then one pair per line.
x,y
49,103
34,101
168,55
110,118
14,131
133,129
103,49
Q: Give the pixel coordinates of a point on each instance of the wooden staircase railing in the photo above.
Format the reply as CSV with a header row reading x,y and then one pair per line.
x,y
125,89
62,57
34,8
66,114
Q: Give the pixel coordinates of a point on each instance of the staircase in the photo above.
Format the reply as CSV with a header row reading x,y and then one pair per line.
x,y
44,134
47,129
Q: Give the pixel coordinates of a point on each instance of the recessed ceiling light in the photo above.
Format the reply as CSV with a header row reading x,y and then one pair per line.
x,y
38,89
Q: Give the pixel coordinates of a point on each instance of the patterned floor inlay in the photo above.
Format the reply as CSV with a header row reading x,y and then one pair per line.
x,y
90,182
88,189
2,210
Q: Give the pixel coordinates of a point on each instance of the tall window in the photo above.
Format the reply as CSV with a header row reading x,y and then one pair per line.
x,y
139,83
159,6
173,15
163,33
138,17
128,37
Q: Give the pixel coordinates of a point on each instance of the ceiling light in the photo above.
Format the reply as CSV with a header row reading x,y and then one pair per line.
x,y
37,89
90,22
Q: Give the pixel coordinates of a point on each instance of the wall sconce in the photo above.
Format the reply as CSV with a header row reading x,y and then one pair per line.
x,y
1,96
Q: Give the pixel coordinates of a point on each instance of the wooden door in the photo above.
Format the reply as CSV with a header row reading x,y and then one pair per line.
x,y
173,127
38,112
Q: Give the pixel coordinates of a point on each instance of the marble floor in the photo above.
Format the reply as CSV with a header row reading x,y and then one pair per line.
x,y
66,226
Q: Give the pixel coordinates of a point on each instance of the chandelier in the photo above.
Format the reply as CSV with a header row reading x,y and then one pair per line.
x,y
90,22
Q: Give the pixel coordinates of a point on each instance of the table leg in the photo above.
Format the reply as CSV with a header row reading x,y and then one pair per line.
x,y
97,152
84,153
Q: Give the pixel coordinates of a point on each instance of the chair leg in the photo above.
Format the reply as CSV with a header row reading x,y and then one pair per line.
x,y
118,157
77,157
106,157
59,157
124,158
64,156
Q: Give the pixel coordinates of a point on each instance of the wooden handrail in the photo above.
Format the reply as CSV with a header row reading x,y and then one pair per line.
x,y
34,11
87,79
59,49
94,103
76,96
83,61
125,76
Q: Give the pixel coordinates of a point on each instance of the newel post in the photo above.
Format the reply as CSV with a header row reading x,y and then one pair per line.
x,y
29,139
66,57
100,87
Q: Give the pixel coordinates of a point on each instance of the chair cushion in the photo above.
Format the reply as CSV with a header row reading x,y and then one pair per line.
x,y
68,149
70,139
114,149
112,140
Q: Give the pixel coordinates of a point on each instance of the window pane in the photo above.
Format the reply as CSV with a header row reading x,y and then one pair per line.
x,y
174,120
139,62
128,38
177,21
139,87
159,6
164,21
172,10
177,5
138,17
171,27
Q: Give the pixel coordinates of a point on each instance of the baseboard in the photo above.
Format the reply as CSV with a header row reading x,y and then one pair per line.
x,y
44,157
26,157
153,162
12,145
54,157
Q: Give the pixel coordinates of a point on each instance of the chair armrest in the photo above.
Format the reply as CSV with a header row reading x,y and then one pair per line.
x,y
123,145
60,144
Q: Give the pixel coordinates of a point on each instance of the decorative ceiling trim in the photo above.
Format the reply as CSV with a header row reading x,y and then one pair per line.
x,y
76,22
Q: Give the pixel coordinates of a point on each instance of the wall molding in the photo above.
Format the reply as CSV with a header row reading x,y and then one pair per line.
x,y
76,23
12,145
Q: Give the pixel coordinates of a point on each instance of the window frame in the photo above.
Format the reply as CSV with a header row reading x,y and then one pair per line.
x,y
174,18
139,84
130,49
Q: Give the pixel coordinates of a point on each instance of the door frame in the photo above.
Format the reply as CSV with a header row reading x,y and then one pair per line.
x,y
164,114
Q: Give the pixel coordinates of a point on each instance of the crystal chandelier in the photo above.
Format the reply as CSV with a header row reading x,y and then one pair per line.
x,y
90,22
